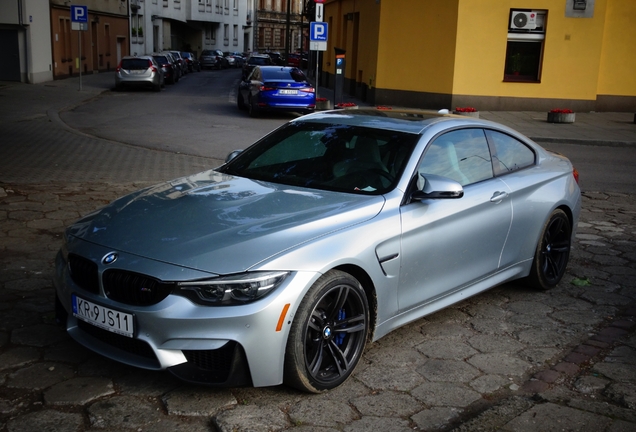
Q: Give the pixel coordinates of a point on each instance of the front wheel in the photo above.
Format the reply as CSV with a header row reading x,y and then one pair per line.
x,y
328,335
553,252
240,103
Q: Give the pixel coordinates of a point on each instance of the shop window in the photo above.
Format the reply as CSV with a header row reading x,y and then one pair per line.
x,y
524,50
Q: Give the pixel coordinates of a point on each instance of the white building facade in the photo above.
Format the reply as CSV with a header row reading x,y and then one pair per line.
x,y
190,25
25,41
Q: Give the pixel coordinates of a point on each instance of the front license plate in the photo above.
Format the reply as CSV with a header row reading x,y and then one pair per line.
x,y
288,92
103,317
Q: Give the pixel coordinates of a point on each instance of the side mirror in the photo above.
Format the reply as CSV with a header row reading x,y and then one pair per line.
x,y
232,155
438,187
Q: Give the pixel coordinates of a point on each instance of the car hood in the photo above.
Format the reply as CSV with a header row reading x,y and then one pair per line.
x,y
219,223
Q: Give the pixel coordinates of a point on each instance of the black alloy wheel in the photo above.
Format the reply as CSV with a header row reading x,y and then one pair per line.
x,y
553,252
251,108
328,335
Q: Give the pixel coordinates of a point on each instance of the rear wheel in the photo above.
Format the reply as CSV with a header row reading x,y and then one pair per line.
x,y
251,108
328,335
240,102
553,252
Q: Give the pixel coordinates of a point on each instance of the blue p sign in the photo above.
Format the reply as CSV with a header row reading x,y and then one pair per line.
x,y
318,32
79,14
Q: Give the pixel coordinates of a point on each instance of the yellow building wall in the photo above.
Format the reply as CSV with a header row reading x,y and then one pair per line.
x,y
406,49
358,37
571,53
416,50
617,74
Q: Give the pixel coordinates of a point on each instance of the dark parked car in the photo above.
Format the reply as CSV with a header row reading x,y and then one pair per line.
x,y
255,60
213,59
141,71
276,57
191,61
170,74
276,88
181,61
332,231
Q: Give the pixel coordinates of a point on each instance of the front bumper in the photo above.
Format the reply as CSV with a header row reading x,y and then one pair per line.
x,y
214,345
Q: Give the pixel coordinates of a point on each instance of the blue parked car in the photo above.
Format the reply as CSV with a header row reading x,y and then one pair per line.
x,y
276,88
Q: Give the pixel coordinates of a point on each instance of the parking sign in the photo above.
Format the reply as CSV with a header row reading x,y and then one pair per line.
x,y
79,14
318,32
318,36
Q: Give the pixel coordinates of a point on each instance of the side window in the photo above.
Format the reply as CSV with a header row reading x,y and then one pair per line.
x,y
461,155
510,153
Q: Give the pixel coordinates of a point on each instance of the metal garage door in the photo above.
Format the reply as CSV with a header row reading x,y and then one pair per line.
x,y
10,64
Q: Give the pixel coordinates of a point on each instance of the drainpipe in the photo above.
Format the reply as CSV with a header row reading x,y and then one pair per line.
x,y
26,41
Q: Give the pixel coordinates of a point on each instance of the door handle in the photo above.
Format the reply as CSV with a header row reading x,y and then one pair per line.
x,y
498,197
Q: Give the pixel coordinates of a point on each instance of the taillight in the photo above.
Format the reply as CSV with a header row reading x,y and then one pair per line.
x,y
267,88
153,69
575,174
308,90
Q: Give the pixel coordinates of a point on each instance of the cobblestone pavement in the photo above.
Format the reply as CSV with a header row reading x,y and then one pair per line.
x,y
511,359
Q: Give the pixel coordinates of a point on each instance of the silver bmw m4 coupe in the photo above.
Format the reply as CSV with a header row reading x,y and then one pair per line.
x,y
328,233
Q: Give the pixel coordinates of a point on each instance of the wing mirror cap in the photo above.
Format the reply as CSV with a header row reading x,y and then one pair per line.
x,y
232,155
438,187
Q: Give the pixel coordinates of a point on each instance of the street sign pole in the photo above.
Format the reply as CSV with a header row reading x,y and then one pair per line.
x,y
79,21
79,38
318,39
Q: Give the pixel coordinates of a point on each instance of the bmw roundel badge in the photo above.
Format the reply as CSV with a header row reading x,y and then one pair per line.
x,y
110,258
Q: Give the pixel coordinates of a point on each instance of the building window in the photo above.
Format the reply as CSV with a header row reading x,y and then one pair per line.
x,y
524,49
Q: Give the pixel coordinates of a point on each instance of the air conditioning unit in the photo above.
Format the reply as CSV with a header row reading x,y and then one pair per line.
x,y
523,20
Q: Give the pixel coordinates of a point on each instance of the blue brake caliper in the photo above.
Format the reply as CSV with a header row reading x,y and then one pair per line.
x,y
340,336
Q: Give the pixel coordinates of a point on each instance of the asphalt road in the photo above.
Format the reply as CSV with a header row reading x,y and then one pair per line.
x,y
601,168
198,116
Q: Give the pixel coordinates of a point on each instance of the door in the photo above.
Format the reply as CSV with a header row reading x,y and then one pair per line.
x,y
10,64
448,244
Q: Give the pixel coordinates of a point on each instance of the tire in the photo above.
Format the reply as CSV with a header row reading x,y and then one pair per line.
x,y
251,109
552,253
328,334
240,103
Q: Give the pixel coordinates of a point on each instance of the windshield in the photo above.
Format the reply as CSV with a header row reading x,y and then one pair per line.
x,y
326,156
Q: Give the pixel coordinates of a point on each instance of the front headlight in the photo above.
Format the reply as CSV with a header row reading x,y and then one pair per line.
x,y
232,290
